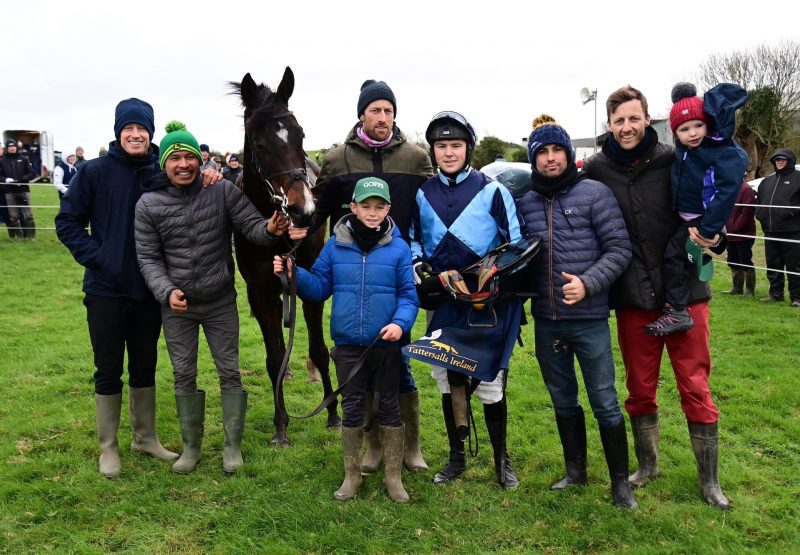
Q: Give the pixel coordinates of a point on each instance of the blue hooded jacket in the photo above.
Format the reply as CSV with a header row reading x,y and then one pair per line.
x,y
103,195
370,290
706,179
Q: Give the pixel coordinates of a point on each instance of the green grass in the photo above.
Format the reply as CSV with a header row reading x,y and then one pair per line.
x,y
53,499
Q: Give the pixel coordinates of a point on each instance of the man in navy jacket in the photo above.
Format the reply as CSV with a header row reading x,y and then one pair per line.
x,y
121,312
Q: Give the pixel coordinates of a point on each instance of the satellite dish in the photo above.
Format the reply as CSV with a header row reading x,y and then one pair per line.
x,y
585,94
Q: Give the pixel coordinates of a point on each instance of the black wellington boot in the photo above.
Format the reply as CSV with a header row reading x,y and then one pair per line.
x,y
738,283
496,419
615,446
572,431
705,444
457,463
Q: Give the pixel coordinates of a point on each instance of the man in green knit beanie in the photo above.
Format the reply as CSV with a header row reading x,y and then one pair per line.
x,y
183,245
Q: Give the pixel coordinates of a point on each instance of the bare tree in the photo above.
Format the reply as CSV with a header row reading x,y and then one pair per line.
x,y
771,74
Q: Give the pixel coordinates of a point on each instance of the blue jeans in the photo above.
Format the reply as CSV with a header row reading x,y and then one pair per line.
x,y
558,343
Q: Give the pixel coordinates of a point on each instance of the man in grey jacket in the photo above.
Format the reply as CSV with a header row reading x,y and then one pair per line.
x,y
183,247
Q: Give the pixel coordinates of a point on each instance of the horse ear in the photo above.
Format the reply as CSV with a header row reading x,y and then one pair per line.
x,y
249,91
286,88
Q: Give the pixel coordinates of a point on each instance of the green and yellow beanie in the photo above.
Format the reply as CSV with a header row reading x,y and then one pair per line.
x,y
177,138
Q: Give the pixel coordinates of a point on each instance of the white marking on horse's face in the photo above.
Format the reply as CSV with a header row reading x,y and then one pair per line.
x,y
283,133
308,208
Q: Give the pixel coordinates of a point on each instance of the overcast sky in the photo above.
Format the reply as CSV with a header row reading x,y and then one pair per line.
x,y
66,64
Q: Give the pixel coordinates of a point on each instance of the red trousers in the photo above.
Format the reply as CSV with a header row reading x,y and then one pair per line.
x,y
688,352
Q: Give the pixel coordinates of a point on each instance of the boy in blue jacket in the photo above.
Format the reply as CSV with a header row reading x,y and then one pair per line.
x,y
366,266
706,175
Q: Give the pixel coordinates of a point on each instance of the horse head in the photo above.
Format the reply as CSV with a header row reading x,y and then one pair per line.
x,y
273,150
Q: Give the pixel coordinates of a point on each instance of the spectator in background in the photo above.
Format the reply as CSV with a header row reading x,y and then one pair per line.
x,y
79,159
63,174
779,214
207,162
16,171
4,218
740,249
35,156
233,169
102,152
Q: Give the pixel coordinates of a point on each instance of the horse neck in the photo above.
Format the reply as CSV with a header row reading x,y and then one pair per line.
x,y
253,186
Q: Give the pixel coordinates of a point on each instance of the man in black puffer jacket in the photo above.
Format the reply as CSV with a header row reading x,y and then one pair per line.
x,y
16,172
183,246
779,195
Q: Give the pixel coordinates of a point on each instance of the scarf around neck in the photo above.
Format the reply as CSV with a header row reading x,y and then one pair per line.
x,y
623,156
549,186
371,142
366,237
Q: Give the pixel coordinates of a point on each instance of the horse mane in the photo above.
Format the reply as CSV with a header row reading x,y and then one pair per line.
x,y
267,105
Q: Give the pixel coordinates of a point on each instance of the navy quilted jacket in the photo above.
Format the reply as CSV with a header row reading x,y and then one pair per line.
x,y
583,234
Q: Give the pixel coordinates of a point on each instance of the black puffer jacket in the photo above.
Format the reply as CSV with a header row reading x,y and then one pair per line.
x,y
643,192
780,189
183,236
17,167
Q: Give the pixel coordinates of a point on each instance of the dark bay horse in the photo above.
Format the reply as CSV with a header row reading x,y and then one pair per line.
x,y
278,176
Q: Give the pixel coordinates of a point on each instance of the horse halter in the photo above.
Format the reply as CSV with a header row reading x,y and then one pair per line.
x,y
279,201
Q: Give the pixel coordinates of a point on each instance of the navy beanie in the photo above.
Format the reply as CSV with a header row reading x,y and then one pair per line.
x,y
371,91
134,110
547,132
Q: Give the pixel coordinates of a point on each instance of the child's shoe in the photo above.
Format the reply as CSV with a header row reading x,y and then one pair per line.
x,y
672,320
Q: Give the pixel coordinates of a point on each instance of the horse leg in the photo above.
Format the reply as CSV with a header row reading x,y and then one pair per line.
x,y
266,308
313,375
318,353
287,376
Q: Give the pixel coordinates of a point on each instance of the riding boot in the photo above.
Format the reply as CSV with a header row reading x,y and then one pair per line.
x,y
352,445
496,419
457,464
738,283
107,409
645,443
615,446
191,415
393,443
749,283
142,410
705,446
234,408
371,460
409,414
572,431
29,232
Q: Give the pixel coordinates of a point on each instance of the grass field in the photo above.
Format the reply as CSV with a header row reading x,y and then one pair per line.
x,y
53,499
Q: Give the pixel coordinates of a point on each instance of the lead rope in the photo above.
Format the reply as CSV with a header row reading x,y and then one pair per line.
x,y
289,299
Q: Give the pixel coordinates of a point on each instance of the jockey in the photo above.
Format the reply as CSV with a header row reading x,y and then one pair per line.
x,y
461,215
